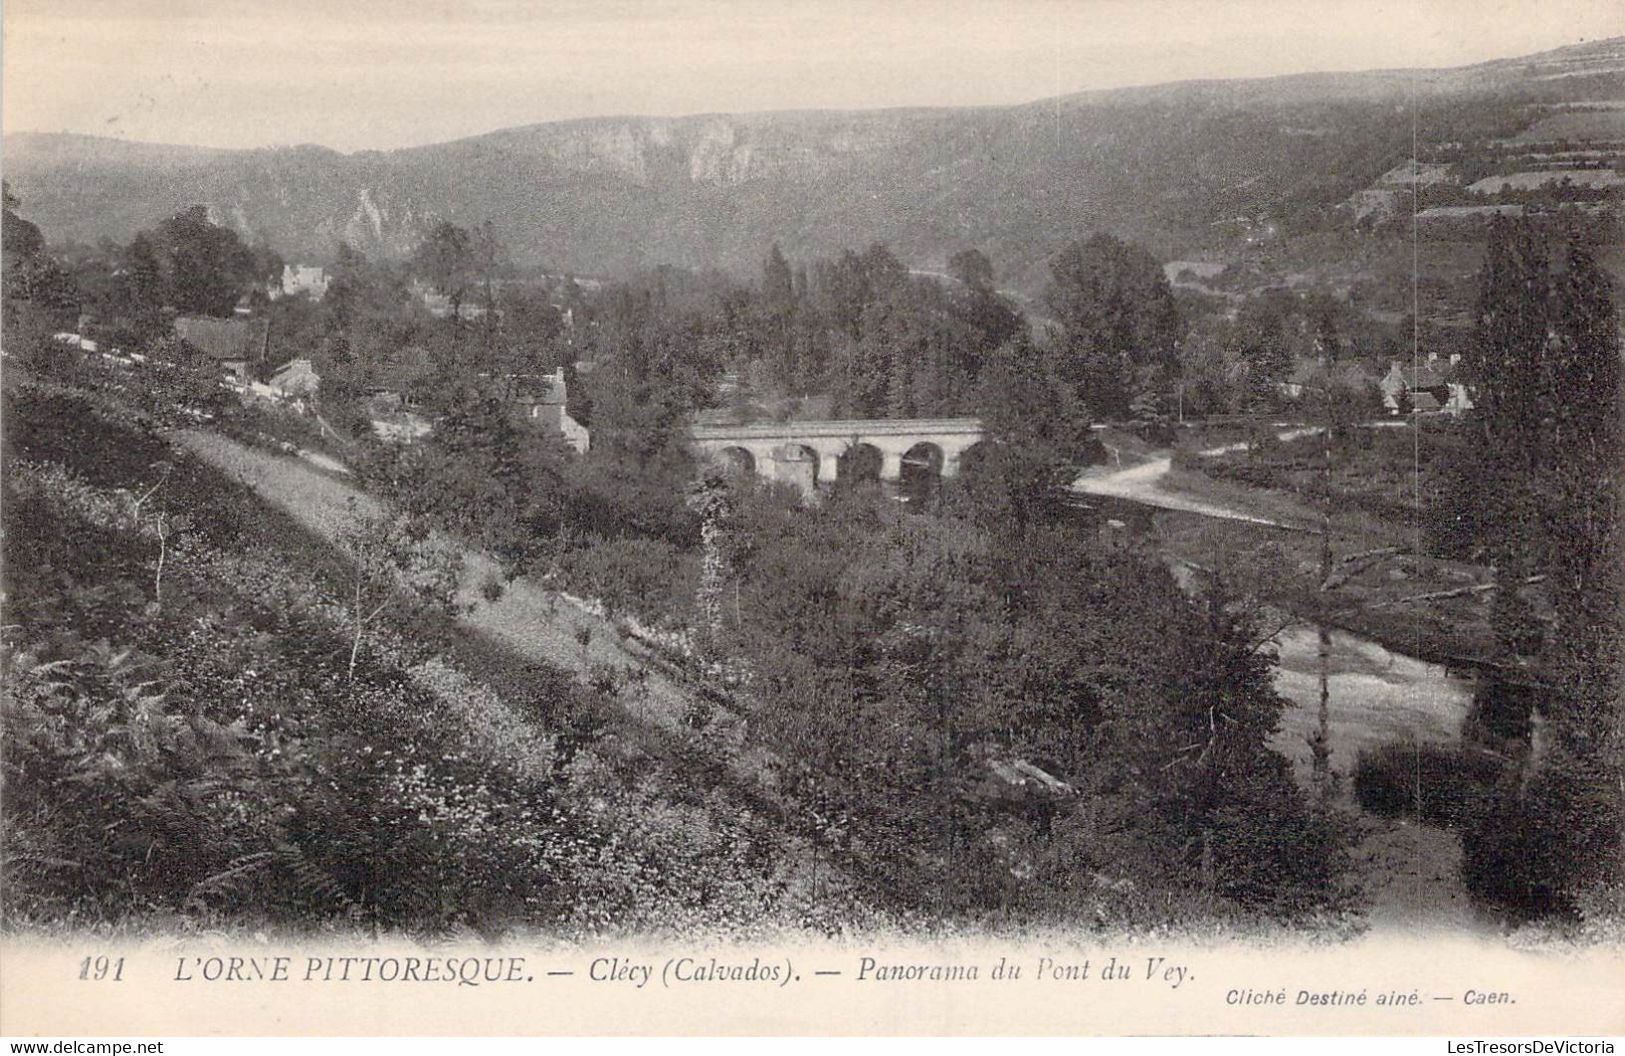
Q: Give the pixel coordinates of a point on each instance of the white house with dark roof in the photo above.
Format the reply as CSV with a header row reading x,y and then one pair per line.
x,y
1432,387
304,278
547,403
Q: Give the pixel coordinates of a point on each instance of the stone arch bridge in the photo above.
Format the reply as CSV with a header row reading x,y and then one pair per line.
x,y
807,454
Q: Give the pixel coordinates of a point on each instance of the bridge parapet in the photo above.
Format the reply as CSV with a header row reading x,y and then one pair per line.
x,y
841,427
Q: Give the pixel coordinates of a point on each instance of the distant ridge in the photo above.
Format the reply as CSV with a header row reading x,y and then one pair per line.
x,y
1160,163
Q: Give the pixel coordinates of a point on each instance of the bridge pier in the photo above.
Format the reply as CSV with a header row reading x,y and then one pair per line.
x,y
829,467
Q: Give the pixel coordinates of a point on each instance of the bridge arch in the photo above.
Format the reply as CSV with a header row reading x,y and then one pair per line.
x,y
971,460
736,461
920,476
797,464
806,454
860,463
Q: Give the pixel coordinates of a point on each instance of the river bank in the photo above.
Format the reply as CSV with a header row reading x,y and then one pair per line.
x,y
1397,668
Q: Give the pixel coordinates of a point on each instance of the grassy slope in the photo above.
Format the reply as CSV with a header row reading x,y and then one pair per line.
x,y
489,675
497,641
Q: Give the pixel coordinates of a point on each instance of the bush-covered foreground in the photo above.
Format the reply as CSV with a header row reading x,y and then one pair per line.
x,y
186,736
919,676
997,721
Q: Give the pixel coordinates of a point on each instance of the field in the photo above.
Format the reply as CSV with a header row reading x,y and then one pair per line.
x,y
1391,474
1603,124
1385,506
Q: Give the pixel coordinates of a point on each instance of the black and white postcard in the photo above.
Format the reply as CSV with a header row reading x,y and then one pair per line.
x,y
532,517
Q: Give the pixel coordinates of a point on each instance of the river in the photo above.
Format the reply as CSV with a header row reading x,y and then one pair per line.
x,y
1376,693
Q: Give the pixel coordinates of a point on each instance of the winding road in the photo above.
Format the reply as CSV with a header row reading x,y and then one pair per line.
x,y
1144,484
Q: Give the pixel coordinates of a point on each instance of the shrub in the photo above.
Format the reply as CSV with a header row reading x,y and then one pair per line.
x,y
280,428
1439,783
1262,441
649,578
1185,458
1502,714
610,499
114,791
1158,431
1252,474
1279,855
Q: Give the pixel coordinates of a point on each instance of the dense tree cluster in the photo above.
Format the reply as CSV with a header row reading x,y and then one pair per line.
x,y
1119,327
39,293
1540,497
186,265
913,674
878,340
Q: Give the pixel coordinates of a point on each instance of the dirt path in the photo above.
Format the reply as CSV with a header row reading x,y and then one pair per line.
x,y
531,621
1411,872
321,461
1143,484
1146,484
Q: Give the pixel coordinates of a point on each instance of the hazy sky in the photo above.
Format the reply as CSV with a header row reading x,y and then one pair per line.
x,y
387,73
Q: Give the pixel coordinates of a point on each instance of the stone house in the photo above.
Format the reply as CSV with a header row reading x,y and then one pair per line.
x,y
1422,386
544,400
296,378
1434,386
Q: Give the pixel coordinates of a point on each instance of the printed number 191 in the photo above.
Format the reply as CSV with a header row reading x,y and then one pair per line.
x,y
99,968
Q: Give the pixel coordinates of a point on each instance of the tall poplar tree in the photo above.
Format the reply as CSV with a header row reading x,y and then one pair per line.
x,y
1548,465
